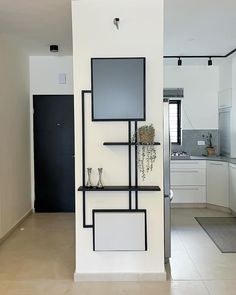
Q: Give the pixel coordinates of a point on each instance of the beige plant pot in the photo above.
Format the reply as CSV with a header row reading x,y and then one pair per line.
x,y
146,135
211,151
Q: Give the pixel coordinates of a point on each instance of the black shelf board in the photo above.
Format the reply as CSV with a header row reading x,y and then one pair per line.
x,y
127,143
120,188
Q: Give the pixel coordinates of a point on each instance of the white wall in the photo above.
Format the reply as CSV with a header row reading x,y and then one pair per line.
x,y
15,136
200,102
44,79
225,74
94,35
44,74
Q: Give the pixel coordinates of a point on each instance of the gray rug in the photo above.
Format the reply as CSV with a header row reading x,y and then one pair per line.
x,y
222,231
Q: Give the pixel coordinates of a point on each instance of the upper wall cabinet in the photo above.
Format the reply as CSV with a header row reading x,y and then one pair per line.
x,y
225,98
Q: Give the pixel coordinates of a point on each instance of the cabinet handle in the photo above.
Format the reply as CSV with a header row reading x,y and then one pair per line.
x,y
187,163
217,164
189,171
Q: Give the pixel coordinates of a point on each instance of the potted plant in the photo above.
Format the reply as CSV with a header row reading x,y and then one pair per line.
x,y
146,149
210,148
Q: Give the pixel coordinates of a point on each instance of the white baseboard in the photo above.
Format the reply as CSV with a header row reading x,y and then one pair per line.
x,y
6,235
200,206
188,205
218,208
119,277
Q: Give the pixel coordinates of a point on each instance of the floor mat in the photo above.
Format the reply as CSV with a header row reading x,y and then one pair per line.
x,y
222,231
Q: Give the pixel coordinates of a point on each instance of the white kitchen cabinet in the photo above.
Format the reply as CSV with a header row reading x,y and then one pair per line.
x,y
232,187
218,183
188,181
189,194
225,98
190,176
187,164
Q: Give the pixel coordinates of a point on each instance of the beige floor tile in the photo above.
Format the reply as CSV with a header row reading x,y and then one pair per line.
x,y
102,288
40,260
174,288
221,287
3,287
43,250
188,288
209,262
51,287
181,267
148,288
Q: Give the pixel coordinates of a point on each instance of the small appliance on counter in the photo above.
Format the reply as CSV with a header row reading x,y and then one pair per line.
x,y
179,155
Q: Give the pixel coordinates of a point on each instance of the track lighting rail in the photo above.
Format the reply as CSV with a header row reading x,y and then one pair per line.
x,y
201,56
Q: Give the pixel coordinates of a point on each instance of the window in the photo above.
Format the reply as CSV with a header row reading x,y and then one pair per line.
x,y
175,121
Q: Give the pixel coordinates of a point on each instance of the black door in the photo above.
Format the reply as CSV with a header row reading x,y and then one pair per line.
x,y
54,153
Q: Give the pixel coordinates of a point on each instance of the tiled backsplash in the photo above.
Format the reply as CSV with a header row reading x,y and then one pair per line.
x,y
190,139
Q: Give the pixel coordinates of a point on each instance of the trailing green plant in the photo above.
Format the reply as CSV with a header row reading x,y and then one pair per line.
x,y
146,151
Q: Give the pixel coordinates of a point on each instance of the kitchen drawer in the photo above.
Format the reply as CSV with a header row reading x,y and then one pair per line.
x,y
189,194
183,164
193,176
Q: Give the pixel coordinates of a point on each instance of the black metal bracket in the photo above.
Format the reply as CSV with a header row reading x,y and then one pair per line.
x,y
83,157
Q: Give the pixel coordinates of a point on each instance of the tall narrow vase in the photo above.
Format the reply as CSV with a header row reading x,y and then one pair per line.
x,y
89,182
100,185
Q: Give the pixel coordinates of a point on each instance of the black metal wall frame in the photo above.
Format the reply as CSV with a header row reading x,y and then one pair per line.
x,y
144,89
85,225
120,211
83,157
136,188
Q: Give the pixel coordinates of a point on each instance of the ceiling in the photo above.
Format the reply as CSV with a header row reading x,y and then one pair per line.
x,y
199,27
192,27
37,24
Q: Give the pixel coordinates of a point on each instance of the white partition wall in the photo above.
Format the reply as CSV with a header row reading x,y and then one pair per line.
x,y
140,34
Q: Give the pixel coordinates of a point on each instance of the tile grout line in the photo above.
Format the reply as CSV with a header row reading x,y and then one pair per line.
x,y
195,266
205,285
189,255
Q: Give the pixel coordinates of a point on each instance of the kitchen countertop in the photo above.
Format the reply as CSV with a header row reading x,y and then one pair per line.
x,y
208,158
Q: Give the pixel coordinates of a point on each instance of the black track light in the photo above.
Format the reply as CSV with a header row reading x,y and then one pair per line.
x,y
179,62
54,48
209,61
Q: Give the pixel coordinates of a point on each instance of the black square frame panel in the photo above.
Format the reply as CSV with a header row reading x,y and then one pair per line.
x,y
137,84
